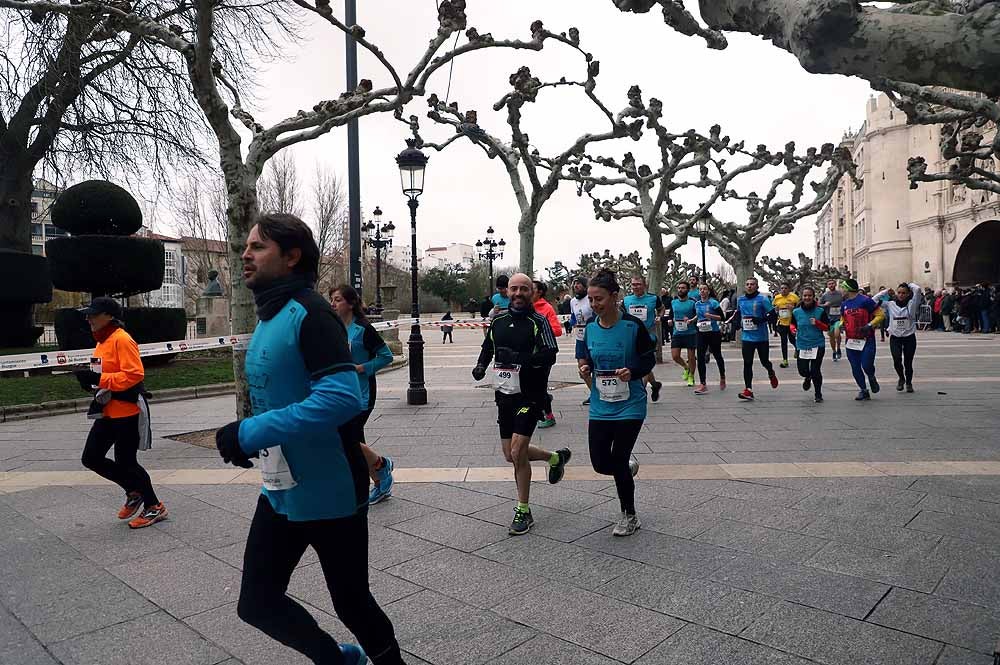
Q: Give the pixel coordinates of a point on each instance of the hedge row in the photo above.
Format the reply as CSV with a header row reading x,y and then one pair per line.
x,y
106,265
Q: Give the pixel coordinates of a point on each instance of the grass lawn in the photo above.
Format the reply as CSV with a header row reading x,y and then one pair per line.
x,y
186,370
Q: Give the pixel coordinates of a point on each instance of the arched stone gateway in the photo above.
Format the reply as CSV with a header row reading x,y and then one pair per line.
x,y
978,258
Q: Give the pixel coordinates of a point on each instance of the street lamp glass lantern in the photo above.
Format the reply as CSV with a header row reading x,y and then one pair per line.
x,y
701,227
412,163
377,215
369,230
390,230
502,244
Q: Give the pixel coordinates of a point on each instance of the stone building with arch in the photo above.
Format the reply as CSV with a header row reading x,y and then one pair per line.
x,y
940,234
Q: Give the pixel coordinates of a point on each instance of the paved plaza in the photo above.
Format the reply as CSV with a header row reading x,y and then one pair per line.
x,y
780,532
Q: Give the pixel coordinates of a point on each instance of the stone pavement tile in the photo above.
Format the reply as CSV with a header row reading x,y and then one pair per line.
x,y
549,522
692,459
616,629
395,510
657,549
970,587
957,656
849,508
981,558
465,577
680,523
951,505
182,582
128,644
753,512
967,528
429,460
838,640
835,469
560,497
685,445
18,645
252,647
750,490
910,570
444,631
388,547
199,524
939,619
688,598
455,531
240,499
762,540
877,536
765,470
556,652
983,488
878,487
446,497
817,588
44,497
565,563
658,493
696,645
309,585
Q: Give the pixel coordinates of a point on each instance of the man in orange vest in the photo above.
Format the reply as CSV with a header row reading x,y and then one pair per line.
x,y
116,375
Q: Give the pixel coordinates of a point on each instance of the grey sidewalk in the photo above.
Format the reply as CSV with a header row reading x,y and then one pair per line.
x,y
839,571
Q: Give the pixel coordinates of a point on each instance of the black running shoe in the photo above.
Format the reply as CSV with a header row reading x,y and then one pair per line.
x,y
556,471
909,387
862,396
654,393
818,398
899,386
523,521
807,383
874,384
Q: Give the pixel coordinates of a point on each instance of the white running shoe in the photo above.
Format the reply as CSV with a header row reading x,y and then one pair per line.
x,y
633,466
627,525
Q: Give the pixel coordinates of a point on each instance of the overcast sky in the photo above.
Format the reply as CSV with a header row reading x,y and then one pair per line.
x,y
758,93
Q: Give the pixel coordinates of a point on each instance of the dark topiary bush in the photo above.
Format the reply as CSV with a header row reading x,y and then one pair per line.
x,y
97,207
155,324
106,265
72,331
24,281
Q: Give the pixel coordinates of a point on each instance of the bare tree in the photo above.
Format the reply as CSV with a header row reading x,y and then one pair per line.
x,y
329,212
778,270
199,211
193,32
533,178
279,188
928,42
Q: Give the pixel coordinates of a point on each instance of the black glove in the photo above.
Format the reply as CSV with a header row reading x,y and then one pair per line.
x,y
508,356
867,328
478,372
227,440
87,379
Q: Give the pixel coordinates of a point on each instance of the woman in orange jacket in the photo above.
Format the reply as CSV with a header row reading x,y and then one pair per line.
x,y
116,372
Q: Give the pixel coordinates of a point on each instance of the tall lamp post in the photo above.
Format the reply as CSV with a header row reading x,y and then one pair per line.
x,y
701,228
490,250
378,236
412,163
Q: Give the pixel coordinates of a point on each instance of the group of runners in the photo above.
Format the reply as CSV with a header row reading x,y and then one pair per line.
x,y
311,367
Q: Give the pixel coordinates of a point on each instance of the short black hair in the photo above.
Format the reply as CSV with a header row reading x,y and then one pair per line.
x,y
788,284
503,281
540,286
289,232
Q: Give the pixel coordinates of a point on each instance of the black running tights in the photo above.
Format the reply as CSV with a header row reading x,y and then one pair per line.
x,y
274,547
902,349
125,471
812,369
710,342
762,351
786,335
611,443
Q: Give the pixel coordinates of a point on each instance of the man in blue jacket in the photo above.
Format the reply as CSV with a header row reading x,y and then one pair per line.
x,y
303,386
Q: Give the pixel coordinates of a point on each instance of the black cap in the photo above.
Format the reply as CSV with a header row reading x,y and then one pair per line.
x,y
103,305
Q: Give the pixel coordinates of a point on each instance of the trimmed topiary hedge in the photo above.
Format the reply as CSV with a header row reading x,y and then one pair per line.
x,y
24,281
72,331
155,324
97,207
106,265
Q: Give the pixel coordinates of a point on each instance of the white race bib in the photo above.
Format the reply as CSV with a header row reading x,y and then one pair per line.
x,y
95,365
705,326
680,326
749,324
610,388
808,354
274,469
856,344
578,332
638,311
784,314
834,311
507,378
901,322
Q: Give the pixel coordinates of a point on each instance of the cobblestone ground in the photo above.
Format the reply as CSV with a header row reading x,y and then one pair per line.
x,y
778,532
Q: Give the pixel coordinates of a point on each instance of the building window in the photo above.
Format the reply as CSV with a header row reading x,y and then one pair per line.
x,y
34,207
169,268
36,230
36,250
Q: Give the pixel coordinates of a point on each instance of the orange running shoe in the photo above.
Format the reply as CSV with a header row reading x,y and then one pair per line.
x,y
151,515
133,504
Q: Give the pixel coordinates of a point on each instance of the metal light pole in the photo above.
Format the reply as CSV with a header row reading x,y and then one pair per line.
x,y
702,227
378,236
412,163
353,159
489,250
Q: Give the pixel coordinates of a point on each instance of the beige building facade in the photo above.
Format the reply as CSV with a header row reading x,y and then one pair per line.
x,y
940,234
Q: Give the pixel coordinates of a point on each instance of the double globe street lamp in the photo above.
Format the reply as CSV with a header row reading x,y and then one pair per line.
x,y
378,236
490,250
412,163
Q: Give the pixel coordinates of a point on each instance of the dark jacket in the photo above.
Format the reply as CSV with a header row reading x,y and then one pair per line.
x,y
522,338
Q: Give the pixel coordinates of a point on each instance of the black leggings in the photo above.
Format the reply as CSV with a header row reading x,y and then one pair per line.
x,y
762,350
611,443
274,547
786,335
447,336
902,349
710,342
811,369
125,470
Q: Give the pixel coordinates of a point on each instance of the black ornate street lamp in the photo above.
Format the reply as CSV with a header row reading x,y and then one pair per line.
x,y
701,228
412,163
378,236
490,250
